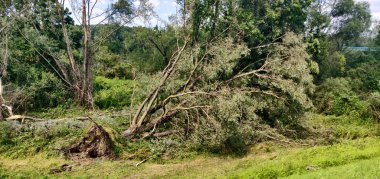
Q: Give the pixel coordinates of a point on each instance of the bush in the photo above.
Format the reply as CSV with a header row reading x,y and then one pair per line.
x,y
374,101
33,89
235,144
366,77
347,126
336,97
48,137
6,135
113,92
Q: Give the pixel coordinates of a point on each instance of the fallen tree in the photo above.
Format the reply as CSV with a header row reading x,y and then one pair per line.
x,y
201,92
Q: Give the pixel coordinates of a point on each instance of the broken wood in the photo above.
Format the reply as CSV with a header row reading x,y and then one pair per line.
x,y
143,161
21,118
63,168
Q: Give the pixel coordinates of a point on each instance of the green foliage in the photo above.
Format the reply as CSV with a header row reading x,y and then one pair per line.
x,y
298,162
374,101
123,9
112,65
35,89
336,97
354,17
274,95
265,21
219,115
361,169
131,49
235,144
61,111
346,126
149,49
317,21
333,65
113,92
365,74
22,141
6,134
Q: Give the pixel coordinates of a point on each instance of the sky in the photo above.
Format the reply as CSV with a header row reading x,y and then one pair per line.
x,y
375,8
163,9
166,8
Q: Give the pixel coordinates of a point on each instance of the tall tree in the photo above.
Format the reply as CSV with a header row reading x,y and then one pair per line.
x,y
52,21
350,20
4,51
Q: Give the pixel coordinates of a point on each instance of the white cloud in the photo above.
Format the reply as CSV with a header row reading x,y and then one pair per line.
x,y
155,3
375,8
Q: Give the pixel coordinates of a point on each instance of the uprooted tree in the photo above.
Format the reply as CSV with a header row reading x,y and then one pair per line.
x,y
224,81
97,143
201,91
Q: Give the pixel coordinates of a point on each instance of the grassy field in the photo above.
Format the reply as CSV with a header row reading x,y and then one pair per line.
x,y
361,169
349,159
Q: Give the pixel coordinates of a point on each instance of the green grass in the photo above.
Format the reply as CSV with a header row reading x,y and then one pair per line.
x,y
31,155
346,127
264,161
362,169
297,161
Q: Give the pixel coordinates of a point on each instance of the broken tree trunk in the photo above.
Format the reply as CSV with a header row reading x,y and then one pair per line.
x,y
147,107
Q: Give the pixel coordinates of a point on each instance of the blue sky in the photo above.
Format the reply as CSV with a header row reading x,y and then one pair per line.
x,y
165,8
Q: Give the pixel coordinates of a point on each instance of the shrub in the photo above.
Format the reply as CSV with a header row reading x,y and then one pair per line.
x,y
33,89
6,135
336,97
113,92
374,101
23,140
366,77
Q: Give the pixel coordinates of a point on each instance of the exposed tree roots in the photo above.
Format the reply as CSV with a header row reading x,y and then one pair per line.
x,y
96,144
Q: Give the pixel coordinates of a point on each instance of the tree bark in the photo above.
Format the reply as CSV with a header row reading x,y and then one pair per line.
x,y
87,56
80,81
1,99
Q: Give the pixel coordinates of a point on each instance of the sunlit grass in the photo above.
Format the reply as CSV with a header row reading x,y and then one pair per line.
x,y
261,163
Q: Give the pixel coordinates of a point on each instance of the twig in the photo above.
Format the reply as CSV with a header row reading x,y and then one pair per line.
x,y
284,141
137,164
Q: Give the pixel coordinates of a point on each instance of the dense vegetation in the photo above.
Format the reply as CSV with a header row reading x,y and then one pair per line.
x,y
221,77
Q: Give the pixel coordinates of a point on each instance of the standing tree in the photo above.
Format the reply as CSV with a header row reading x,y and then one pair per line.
x,y
53,23
81,80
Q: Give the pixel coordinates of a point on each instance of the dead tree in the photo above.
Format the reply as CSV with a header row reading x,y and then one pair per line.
x,y
4,41
3,69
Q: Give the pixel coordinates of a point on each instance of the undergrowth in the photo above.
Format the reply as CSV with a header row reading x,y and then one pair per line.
x,y
346,126
25,141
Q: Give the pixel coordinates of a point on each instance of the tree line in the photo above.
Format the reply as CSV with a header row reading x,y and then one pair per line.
x,y
221,70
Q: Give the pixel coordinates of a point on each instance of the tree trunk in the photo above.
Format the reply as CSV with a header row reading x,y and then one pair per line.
x,y
81,80
1,99
87,99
